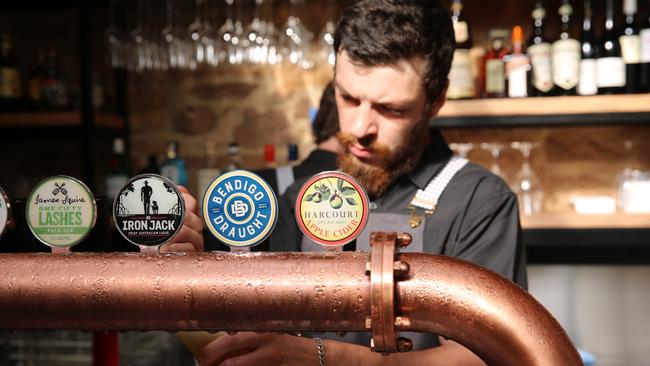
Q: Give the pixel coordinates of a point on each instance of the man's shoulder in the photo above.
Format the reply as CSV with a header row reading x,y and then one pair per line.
x,y
474,175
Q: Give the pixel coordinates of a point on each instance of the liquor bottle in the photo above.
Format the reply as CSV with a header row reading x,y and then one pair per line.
x,y
517,66
292,156
174,167
53,85
234,159
118,170
269,156
644,38
493,66
587,84
10,84
152,165
540,81
610,68
565,55
461,83
209,171
35,81
631,47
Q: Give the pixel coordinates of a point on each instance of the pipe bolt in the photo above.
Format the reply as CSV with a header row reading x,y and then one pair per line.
x,y
368,323
401,268
402,322
404,240
404,344
368,267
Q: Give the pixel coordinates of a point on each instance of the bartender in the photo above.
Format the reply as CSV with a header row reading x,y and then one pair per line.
x,y
390,80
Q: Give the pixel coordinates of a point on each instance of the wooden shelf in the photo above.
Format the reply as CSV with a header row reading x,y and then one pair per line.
x,y
578,110
581,221
57,119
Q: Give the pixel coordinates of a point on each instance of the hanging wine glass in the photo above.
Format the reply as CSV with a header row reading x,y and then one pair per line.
x,y
495,151
210,38
528,186
137,49
177,52
326,37
296,39
462,149
114,35
256,51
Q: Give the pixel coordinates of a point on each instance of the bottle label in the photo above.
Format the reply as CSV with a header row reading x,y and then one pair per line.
x,y
517,73
332,209
461,32
644,37
610,72
61,211
461,83
149,210
630,49
9,83
4,212
587,85
566,63
494,76
540,59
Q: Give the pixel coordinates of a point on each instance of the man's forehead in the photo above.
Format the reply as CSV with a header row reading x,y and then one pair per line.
x,y
402,79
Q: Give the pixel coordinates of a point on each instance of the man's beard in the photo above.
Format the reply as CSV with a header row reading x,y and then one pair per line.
x,y
393,163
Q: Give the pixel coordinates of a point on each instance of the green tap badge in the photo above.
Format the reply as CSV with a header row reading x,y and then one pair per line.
x,y
61,211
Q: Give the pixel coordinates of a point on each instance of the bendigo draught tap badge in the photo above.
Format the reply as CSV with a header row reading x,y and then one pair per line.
x,y
149,210
332,209
240,209
61,211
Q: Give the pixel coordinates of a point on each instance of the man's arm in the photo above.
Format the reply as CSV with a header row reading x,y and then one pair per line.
x,y
249,349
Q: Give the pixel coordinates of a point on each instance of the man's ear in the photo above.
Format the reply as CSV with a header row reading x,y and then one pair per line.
x,y
439,102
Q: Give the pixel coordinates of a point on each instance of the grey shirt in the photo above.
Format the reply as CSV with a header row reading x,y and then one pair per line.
x,y
476,218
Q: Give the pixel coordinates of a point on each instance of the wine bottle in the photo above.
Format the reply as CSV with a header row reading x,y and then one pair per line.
x,y
517,66
631,47
461,83
565,53
174,167
644,38
610,68
587,84
540,81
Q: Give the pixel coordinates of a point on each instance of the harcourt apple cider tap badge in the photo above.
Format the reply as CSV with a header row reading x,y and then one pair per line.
x,y
332,209
149,210
61,211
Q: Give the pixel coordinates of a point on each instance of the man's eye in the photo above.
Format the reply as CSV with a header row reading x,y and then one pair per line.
x,y
349,99
392,111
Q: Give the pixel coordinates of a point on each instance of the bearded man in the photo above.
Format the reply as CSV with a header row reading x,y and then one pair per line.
x,y
393,57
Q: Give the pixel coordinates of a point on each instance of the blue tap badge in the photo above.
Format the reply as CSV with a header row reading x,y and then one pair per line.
x,y
240,209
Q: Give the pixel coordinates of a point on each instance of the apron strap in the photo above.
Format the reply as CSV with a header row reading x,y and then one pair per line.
x,y
427,199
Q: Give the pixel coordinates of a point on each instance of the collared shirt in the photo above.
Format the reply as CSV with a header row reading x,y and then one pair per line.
x,y
476,218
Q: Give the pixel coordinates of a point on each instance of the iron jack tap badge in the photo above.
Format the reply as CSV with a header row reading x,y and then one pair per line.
x,y
332,209
61,211
149,210
240,209
5,212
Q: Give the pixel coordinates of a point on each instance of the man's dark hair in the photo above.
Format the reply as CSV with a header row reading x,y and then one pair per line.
x,y
326,123
383,32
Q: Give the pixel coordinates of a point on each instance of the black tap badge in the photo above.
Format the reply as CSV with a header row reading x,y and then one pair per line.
x,y
149,210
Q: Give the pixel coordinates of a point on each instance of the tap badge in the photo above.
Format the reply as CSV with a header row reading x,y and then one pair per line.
x,y
61,211
332,209
5,213
240,209
149,210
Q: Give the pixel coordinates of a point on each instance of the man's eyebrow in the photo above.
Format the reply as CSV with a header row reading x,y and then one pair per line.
x,y
340,88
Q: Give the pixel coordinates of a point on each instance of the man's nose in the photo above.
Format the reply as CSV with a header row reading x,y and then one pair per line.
x,y
365,123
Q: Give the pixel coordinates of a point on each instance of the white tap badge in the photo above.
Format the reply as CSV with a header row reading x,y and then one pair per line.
x,y
5,216
61,211
149,210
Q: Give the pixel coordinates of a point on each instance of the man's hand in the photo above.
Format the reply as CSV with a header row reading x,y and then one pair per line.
x,y
190,237
248,348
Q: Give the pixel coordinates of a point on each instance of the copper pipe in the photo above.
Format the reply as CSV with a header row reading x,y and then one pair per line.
x,y
276,292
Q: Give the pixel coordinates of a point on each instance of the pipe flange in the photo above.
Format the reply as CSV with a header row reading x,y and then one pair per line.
x,y
382,292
